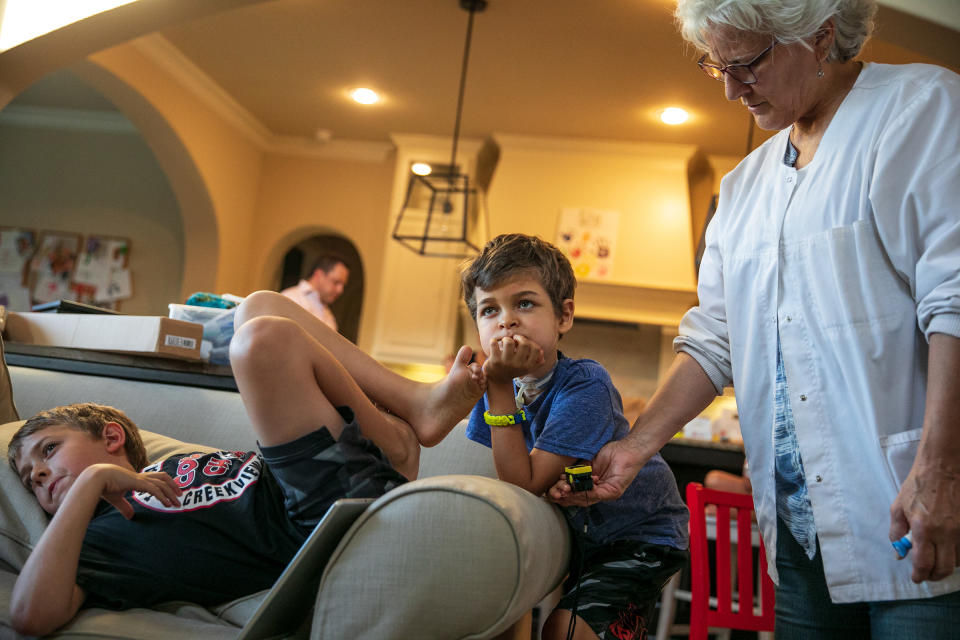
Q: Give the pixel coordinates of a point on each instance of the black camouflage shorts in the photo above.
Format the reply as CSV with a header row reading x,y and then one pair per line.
x,y
316,470
620,584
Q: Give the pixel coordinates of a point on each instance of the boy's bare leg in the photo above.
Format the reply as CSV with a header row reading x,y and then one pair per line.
x,y
557,624
430,409
724,481
291,385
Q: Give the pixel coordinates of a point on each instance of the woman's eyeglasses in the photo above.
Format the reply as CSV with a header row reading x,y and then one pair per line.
x,y
742,73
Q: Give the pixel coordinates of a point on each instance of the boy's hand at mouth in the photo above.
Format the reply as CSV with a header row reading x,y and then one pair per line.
x,y
511,357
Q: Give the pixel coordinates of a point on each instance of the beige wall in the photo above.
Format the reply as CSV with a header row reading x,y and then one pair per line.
x,y
722,165
301,197
242,208
260,204
630,352
190,140
97,183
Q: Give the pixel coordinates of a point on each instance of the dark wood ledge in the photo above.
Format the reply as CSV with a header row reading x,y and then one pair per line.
x,y
121,365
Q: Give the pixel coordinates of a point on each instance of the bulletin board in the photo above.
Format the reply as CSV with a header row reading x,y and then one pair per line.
x,y
17,246
45,266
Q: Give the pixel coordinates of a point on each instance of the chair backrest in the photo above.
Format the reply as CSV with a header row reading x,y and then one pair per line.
x,y
743,613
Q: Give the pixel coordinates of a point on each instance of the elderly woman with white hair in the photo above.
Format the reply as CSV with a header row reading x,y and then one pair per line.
x,y
829,296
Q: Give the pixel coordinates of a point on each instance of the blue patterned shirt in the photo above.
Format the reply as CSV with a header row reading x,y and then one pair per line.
x,y
793,503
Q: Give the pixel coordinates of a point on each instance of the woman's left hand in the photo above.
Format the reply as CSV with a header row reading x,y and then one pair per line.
x,y
929,506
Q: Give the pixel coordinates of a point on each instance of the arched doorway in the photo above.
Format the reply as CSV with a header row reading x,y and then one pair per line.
x,y
201,250
72,163
299,258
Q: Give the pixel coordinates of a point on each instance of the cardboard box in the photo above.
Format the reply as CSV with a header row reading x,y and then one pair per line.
x,y
149,335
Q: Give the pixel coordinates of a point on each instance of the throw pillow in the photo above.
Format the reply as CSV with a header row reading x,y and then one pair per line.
x,y
8,412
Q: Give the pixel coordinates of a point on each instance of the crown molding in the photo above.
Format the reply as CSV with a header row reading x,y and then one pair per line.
x,y
160,51
358,150
665,150
418,142
168,57
90,120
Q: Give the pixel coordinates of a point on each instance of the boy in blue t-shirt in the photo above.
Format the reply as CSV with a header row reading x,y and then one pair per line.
x,y
543,412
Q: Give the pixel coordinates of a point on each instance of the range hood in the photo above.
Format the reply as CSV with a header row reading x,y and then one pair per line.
x,y
661,193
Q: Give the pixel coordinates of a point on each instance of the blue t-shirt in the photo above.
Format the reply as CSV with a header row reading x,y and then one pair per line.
x,y
578,413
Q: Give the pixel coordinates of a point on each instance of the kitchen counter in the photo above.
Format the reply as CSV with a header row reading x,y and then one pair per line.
x,y
690,459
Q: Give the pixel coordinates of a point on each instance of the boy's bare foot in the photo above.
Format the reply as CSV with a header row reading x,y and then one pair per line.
x,y
449,401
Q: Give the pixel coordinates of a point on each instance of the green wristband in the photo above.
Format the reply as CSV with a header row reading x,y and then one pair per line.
x,y
505,421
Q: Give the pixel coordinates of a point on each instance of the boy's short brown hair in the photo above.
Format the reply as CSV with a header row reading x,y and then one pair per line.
x,y
86,417
512,254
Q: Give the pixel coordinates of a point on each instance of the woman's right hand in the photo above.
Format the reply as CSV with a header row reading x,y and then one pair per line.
x,y
614,468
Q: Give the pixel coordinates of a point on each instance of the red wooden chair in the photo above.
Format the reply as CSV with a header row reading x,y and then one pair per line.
x,y
723,610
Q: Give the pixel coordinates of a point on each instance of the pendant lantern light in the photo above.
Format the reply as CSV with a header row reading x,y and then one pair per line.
x,y
442,209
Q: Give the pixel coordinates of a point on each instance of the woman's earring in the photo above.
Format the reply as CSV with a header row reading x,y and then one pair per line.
x,y
820,69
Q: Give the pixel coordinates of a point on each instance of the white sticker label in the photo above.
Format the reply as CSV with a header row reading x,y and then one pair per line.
x,y
180,341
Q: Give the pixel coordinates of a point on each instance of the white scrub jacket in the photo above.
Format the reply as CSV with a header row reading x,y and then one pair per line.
x,y
855,260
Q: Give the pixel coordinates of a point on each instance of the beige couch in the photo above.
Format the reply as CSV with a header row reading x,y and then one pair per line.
x,y
447,556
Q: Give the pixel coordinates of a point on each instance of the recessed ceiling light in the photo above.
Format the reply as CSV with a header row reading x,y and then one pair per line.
x,y
674,115
421,168
364,95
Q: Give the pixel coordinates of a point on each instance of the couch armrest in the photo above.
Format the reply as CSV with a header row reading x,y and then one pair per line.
x,y
445,557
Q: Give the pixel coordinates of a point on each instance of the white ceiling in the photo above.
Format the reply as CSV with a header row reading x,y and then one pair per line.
x,y
599,69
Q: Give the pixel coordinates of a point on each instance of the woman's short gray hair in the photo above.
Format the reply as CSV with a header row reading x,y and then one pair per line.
x,y
788,21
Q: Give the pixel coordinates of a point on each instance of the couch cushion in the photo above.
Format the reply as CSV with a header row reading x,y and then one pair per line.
x,y
457,454
22,521
239,611
8,412
21,518
177,620
192,414
465,555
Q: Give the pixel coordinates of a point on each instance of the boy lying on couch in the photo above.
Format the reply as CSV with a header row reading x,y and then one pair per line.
x,y
211,527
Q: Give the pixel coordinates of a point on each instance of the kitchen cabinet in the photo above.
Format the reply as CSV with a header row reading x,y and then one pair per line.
x,y
417,314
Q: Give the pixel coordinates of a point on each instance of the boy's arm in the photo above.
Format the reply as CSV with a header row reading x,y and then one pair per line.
x,y
537,470
46,595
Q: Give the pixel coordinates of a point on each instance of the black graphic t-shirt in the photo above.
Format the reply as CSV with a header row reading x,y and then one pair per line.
x,y
229,537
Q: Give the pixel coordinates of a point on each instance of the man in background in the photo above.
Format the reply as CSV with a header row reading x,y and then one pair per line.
x,y
324,285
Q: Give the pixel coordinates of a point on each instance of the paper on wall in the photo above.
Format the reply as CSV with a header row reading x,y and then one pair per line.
x,y
49,287
589,239
13,295
119,287
101,274
95,273
16,247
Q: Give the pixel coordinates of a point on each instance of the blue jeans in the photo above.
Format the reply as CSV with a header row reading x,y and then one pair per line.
x,y
804,610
